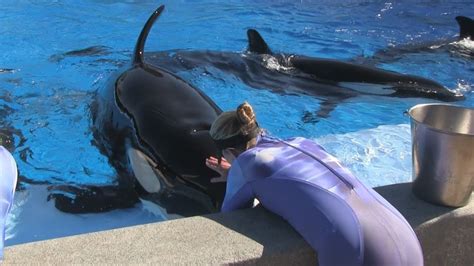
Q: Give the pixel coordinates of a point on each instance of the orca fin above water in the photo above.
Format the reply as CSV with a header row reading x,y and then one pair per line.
x,y
140,46
466,26
256,43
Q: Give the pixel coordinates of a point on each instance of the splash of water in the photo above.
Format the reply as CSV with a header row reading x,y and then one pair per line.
x,y
272,62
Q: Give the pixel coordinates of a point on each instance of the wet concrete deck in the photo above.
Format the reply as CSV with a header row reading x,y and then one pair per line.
x,y
252,236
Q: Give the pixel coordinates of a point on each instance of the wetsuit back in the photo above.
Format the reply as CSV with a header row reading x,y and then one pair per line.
x,y
346,222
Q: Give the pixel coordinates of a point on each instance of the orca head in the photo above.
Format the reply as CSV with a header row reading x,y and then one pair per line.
x,y
256,43
466,27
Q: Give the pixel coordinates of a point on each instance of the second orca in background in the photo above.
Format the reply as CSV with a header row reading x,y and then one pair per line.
x,y
331,81
461,46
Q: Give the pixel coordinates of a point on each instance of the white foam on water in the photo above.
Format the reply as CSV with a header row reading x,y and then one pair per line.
x,y
465,43
378,156
271,62
463,87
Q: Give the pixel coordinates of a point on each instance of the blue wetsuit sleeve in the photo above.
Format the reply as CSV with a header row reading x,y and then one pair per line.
x,y
239,193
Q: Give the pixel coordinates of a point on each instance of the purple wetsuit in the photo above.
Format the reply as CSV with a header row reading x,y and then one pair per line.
x,y
8,179
346,222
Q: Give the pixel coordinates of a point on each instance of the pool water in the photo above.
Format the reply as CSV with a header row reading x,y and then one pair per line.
x,y
45,90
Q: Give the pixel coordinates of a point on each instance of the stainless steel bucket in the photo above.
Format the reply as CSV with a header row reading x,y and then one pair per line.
x,y
442,153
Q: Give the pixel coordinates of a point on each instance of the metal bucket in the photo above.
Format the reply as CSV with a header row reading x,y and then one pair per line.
x,y
442,153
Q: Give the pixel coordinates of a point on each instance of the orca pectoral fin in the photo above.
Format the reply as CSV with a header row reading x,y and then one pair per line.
x,y
325,108
144,170
466,27
256,43
92,199
96,50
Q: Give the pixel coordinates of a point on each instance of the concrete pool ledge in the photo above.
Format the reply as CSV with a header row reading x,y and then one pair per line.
x,y
252,236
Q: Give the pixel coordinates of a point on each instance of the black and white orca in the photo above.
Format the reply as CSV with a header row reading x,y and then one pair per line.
x,y
153,126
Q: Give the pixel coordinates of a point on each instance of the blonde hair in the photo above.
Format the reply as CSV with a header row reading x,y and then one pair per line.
x,y
241,122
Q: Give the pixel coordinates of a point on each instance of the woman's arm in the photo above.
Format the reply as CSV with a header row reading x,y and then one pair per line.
x,y
238,193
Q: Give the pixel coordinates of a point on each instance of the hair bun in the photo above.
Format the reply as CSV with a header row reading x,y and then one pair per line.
x,y
245,114
247,119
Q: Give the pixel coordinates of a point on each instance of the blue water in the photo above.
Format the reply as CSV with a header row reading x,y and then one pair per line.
x,y
46,96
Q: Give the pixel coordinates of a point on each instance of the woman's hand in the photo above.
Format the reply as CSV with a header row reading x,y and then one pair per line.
x,y
222,169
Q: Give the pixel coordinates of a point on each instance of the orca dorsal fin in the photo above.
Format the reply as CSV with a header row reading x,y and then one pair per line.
x,y
140,46
466,26
256,43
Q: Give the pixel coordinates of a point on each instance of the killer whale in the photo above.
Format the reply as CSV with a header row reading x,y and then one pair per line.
x,y
459,46
153,126
331,81
340,73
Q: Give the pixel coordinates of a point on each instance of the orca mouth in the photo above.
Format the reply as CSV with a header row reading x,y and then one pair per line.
x,y
457,97
447,96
